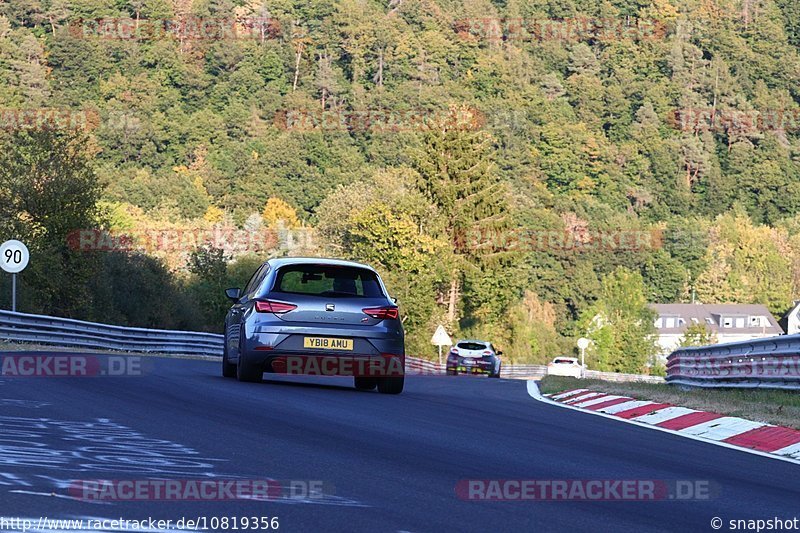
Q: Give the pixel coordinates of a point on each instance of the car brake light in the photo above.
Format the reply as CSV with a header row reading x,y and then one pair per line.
x,y
271,306
487,352
454,351
381,312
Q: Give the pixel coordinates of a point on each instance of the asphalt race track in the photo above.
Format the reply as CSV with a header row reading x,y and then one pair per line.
x,y
388,463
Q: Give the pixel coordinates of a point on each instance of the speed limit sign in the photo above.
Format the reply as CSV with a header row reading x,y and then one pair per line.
x,y
14,256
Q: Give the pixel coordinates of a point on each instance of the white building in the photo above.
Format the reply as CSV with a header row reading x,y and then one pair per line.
x,y
727,322
791,320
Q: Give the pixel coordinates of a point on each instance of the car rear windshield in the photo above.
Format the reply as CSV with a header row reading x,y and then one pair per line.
x,y
565,361
329,281
471,346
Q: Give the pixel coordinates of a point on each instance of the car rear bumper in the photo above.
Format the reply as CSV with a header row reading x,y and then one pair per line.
x,y
480,368
278,346
469,370
287,339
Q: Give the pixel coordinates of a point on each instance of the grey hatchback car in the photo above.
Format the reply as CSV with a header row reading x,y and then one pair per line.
x,y
319,317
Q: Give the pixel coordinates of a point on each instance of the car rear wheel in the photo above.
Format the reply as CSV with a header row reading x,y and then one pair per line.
x,y
228,368
248,372
496,375
366,383
391,385
451,372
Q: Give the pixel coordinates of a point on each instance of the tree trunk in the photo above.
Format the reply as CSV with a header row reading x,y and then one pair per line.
x,y
380,68
298,55
452,300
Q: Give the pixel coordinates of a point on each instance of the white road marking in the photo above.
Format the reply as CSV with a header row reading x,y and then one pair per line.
x,y
722,428
56,495
570,393
611,409
662,415
584,396
599,399
790,451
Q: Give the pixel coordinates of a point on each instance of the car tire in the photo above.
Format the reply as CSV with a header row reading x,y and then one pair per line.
x,y
228,368
362,383
497,375
391,385
451,372
248,372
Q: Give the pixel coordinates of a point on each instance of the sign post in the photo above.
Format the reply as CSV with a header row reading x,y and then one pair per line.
x,y
441,338
583,343
14,257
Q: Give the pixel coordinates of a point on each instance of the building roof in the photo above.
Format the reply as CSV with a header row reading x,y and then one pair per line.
x,y
715,312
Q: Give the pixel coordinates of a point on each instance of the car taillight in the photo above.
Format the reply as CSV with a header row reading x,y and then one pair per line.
x,y
381,312
454,351
271,306
487,352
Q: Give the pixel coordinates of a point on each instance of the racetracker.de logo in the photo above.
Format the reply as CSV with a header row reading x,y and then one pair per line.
x,y
175,489
314,365
69,365
566,30
47,119
582,240
187,240
605,490
710,119
180,29
375,120
199,489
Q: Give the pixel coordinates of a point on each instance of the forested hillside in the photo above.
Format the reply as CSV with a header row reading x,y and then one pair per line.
x,y
488,157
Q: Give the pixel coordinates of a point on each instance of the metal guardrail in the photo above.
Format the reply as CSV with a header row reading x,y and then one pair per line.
x,y
421,366
41,329
22,327
772,362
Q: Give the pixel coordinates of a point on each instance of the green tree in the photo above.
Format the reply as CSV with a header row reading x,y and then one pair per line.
x,y
48,189
620,324
698,335
458,176
746,263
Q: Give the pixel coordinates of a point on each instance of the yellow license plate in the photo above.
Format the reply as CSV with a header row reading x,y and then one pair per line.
x,y
328,343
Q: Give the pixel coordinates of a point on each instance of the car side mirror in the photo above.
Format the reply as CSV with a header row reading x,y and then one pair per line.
x,y
234,294
499,352
394,300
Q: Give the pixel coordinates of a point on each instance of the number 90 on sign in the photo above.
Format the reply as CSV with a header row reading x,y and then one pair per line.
x,y
14,256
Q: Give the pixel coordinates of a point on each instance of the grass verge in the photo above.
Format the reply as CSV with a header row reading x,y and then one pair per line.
x,y
760,405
